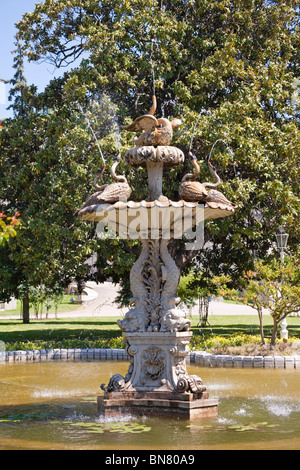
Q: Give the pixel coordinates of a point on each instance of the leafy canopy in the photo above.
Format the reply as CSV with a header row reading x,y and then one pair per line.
x,y
228,69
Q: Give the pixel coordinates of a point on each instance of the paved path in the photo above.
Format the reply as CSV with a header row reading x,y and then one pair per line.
x,y
104,306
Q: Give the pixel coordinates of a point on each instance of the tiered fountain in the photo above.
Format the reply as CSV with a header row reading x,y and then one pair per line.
x,y
156,330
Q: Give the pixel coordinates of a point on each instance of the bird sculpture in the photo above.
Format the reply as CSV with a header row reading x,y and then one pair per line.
x,y
217,197
109,193
193,191
155,132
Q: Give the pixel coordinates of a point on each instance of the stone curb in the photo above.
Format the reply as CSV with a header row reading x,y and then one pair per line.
x,y
200,358
63,354
247,362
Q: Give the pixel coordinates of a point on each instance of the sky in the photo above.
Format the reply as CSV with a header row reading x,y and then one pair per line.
x,y
12,11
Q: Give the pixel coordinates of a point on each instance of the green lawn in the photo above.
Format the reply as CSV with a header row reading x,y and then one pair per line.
x,y
227,325
61,333
64,306
104,332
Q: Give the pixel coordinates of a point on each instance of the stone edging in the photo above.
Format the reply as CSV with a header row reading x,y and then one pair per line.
x,y
264,362
44,355
200,358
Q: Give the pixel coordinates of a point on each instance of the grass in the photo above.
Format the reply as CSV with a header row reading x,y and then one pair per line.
x,y
64,306
61,333
226,325
226,334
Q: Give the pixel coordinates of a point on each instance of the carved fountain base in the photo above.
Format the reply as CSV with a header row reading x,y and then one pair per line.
x,y
157,382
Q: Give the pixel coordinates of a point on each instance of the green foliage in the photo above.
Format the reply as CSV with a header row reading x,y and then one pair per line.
x,y
273,286
115,427
242,344
229,67
41,296
216,342
8,230
197,284
187,294
84,343
234,427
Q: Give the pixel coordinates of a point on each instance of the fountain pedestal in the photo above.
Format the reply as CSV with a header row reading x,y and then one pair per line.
x,y
157,381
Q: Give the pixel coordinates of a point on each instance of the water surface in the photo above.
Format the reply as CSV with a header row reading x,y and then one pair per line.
x,y
52,405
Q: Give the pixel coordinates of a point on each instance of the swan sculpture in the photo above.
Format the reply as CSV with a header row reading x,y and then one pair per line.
x,y
218,197
194,191
155,132
110,193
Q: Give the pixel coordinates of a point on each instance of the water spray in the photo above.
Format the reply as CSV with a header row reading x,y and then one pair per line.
x,y
225,143
93,133
235,164
196,123
153,41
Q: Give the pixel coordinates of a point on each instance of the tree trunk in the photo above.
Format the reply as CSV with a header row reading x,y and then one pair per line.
x,y
261,327
274,332
203,311
26,318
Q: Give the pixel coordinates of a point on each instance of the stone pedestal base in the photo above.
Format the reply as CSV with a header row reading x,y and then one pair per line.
x,y
185,406
157,382
157,361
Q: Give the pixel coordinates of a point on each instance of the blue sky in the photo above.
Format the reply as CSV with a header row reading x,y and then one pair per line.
x,y
39,74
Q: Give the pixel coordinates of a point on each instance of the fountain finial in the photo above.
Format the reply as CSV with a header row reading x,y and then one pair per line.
x,y
156,132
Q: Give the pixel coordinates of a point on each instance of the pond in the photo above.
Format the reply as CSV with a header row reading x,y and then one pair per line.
x,y
52,405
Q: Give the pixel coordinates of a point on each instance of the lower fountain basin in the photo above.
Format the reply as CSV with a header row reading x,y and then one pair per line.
x,y
52,405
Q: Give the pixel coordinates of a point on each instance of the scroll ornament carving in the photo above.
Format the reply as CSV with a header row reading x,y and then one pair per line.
x,y
185,382
116,384
152,278
140,156
190,383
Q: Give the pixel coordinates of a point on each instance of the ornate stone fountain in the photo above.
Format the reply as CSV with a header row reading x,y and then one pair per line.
x,y
156,330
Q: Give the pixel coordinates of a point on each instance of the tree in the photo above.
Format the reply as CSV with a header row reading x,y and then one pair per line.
x,y
228,67
198,286
44,175
273,286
